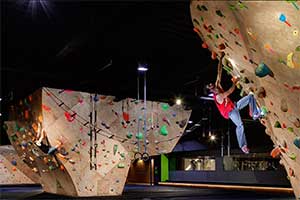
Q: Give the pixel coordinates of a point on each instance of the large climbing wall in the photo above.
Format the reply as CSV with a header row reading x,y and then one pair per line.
x,y
99,136
261,41
10,164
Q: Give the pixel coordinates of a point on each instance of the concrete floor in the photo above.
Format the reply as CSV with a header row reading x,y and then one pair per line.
x,y
148,193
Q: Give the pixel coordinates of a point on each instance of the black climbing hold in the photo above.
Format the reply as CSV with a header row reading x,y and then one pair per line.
x,y
219,13
277,124
196,21
203,7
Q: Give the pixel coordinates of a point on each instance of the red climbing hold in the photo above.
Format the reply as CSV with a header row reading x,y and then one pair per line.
x,y
70,117
213,55
126,116
196,30
283,125
204,45
46,108
245,57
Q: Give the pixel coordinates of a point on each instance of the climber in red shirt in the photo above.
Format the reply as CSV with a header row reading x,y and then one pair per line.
x,y
228,109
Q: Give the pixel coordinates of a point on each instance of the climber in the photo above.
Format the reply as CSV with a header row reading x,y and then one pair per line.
x,y
230,110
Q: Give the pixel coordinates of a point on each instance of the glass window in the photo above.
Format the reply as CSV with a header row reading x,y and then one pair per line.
x,y
199,163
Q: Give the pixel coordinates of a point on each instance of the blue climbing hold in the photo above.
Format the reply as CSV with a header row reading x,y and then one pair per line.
x,y
297,142
13,162
262,70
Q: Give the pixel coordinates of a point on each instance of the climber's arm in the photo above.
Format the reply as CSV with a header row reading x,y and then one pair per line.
x,y
218,81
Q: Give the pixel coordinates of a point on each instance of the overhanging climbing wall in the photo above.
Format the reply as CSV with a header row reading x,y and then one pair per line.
x,y
100,138
262,45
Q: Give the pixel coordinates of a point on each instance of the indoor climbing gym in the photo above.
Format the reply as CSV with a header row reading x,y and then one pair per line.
x,y
150,100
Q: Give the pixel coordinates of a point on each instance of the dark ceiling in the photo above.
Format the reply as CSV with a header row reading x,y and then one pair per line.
x,y
68,44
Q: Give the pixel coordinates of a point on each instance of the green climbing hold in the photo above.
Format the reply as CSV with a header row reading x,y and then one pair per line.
x,y
264,111
292,156
51,167
209,36
115,149
290,129
129,135
242,5
297,142
201,18
164,131
216,36
263,70
121,165
297,48
165,106
277,124
22,129
14,137
122,155
139,136
232,7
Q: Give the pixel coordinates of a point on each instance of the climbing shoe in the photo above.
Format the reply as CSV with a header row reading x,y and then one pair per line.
x,y
245,149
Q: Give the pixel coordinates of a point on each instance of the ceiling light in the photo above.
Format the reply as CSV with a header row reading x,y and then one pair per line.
x,y
142,68
197,124
190,121
212,137
178,102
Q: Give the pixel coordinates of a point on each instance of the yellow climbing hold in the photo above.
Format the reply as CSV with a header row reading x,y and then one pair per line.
x,y
289,60
295,32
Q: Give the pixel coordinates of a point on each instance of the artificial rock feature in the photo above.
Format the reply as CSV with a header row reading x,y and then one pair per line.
x,y
99,136
261,41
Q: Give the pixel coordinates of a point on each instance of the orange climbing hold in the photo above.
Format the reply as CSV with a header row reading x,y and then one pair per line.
x,y
213,55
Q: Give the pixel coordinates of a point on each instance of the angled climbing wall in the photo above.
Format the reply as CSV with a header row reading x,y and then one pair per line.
x,y
262,45
99,136
10,165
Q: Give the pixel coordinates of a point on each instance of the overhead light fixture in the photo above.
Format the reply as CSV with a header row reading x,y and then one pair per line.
x,y
211,94
212,137
178,101
190,121
188,131
197,124
142,68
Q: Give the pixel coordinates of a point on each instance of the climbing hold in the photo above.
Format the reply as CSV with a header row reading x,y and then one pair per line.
x,y
297,123
297,48
71,161
203,7
277,124
282,18
163,130
209,36
35,170
129,135
295,32
232,7
204,45
24,143
283,105
213,55
290,129
297,142
121,165
219,13
275,152
261,92
289,60
199,8
46,108
70,117
13,162
139,136
165,106
283,125
196,30
115,149
292,156
291,172
14,169
221,46
216,36
263,70
196,21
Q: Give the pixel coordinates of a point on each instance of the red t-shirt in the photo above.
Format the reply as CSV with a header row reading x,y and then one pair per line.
x,y
226,107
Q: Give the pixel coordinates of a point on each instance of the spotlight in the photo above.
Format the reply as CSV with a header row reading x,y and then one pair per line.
x,y
178,101
190,121
0,99
212,137
142,68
